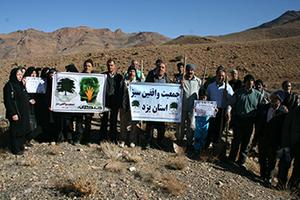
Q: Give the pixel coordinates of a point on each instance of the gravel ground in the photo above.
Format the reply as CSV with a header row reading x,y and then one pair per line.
x,y
107,171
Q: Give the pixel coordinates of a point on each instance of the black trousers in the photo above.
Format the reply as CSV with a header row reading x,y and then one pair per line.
x,y
215,129
242,131
266,157
18,137
112,118
284,166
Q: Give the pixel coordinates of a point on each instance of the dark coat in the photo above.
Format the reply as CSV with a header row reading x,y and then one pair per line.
x,y
151,78
290,101
16,101
114,93
269,133
291,129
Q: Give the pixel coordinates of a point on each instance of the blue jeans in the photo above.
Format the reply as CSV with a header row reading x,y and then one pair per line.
x,y
201,130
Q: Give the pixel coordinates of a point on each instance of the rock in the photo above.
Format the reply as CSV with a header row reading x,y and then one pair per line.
x,y
132,169
219,183
251,195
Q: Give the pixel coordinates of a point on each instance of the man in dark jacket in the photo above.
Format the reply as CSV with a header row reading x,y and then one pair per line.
x,y
159,77
290,142
290,99
113,101
269,124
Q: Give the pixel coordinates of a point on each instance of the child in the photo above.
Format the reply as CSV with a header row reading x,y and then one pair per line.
x,y
201,126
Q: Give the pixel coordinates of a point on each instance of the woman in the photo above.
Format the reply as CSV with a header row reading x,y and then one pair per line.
x,y
17,104
31,72
128,137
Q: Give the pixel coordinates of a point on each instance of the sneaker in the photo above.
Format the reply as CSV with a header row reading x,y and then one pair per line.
x,y
122,144
132,145
146,147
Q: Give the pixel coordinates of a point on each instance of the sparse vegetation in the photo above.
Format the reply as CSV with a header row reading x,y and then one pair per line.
x,y
177,162
171,185
114,166
75,188
110,151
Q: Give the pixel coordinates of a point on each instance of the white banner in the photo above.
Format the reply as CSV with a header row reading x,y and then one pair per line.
x,y
35,85
160,102
78,92
205,108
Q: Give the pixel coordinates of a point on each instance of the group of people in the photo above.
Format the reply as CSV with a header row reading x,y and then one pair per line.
x,y
245,107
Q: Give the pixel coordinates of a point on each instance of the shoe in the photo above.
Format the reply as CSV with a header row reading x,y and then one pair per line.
x,y
122,144
19,153
146,147
267,182
242,166
132,145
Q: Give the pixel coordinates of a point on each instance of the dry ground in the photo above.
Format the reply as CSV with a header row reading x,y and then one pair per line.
x,y
107,171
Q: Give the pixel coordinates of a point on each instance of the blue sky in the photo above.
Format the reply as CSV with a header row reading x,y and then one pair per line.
x,y
168,17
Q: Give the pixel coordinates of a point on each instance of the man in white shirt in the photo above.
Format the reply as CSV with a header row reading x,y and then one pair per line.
x,y
219,91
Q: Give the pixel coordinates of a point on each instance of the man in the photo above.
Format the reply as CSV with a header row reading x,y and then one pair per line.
x,y
139,73
290,99
290,142
159,76
268,128
191,85
178,76
235,82
88,67
113,101
260,86
152,73
245,103
219,91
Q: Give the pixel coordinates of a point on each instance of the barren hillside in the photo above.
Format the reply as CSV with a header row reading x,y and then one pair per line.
x,y
34,43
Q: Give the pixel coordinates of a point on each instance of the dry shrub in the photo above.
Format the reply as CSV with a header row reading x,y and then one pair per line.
x,y
170,135
114,166
110,151
168,183
177,162
132,156
76,188
172,185
179,150
253,166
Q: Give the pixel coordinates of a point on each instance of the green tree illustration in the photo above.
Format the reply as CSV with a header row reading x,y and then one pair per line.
x,y
135,103
174,105
66,85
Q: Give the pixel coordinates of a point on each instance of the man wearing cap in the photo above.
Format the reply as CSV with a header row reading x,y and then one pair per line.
x,y
190,85
270,118
245,102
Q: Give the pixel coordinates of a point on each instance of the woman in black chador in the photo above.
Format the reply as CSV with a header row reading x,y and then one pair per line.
x,y
16,101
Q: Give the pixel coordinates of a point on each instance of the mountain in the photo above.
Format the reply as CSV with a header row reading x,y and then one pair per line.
x,y
286,25
190,39
64,41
